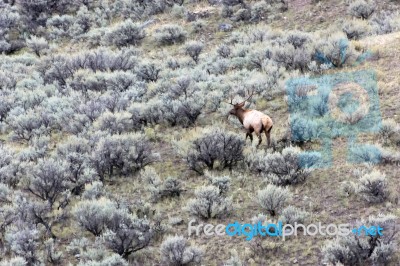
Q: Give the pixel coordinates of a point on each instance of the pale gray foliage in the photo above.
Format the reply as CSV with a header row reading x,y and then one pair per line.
x,y
5,193
23,242
171,187
389,130
9,20
357,249
218,146
75,153
223,183
114,123
37,44
94,190
148,71
385,22
59,26
94,215
38,213
209,203
333,50
112,260
362,9
8,167
292,215
273,199
15,261
176,250
373,187
234,260
170,34
193,49
356,29
280,168
124,154
26,124
48,179
84,249
51,254
224,51
61,67
259,11
124,34
126,233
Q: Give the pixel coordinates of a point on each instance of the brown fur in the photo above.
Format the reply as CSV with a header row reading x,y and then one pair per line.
x,y
253,121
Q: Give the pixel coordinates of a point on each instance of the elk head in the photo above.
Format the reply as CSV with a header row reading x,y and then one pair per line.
x,y
252,120
237,107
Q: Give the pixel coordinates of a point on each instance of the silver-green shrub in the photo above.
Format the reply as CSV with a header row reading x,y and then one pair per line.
x,y
357,249
124,34
176,250
292,215
226,149
362,9
273,199
373,187
209,203
170,34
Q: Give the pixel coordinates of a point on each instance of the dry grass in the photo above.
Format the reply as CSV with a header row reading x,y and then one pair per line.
x,y
320,194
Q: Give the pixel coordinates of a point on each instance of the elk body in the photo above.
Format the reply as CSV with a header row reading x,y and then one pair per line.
x,y
253,121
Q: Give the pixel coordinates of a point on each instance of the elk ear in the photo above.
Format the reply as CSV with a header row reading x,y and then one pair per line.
x,y
240,105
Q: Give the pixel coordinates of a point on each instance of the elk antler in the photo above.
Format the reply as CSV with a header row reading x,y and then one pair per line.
x,y
248,98
231,102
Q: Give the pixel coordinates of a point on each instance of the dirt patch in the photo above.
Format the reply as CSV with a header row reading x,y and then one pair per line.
x,y
299,4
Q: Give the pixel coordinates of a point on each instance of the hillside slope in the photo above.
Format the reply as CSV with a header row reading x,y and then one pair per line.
x,y
115,130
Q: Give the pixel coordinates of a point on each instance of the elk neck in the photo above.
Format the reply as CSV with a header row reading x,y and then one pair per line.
x,y
240,114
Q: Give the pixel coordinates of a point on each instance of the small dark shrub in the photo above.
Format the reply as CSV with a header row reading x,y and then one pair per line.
x,y
170,34
148,72
193,49
357,249
49,179
127,234
209,203
125,34
224,51
226,149
356,29
362,9
125,153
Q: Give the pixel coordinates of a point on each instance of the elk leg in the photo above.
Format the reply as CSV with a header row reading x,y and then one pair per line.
x,y
268,135
248,134
259,139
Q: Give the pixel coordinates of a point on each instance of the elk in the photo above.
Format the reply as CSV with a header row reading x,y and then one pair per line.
x,y
252,120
